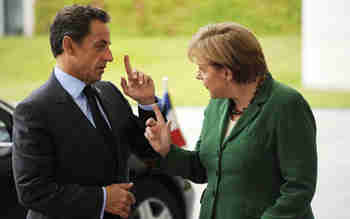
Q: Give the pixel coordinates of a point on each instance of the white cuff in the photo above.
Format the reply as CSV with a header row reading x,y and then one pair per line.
x,y
149,106
104,203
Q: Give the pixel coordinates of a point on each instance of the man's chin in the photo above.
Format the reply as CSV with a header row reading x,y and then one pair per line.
x,y
99,74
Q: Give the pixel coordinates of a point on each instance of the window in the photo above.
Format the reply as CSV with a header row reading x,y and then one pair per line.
x,y
4,134
13,16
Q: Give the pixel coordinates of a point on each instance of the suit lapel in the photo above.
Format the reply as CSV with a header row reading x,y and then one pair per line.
x,y
64,101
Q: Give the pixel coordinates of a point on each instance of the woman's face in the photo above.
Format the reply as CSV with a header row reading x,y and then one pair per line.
x,y
214,79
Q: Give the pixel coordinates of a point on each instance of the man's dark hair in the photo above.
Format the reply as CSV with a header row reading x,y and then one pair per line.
x,y
73,21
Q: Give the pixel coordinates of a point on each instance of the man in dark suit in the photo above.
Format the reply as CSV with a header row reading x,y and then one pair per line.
x,y
73,135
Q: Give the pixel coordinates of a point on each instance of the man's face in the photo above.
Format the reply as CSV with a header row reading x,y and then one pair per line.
x,y
93,53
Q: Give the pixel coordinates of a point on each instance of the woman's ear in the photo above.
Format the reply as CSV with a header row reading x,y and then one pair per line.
x,y
67,45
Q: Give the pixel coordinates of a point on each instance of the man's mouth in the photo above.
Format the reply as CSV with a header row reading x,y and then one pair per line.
x,y
102,68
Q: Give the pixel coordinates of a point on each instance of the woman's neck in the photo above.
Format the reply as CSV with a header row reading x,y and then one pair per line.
x,y
242,94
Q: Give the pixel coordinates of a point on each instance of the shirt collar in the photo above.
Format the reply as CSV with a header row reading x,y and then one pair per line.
x,y
72,85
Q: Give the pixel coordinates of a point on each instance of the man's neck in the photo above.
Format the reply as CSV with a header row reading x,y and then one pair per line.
x,y
61,65
65,67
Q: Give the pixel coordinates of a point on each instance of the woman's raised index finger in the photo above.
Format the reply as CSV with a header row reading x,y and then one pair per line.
x,y
127,65
159,115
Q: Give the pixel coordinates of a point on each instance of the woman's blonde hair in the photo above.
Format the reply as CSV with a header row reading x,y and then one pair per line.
x,y
229,45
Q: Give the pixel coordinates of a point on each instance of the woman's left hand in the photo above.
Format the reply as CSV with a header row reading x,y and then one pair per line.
x,y
158,132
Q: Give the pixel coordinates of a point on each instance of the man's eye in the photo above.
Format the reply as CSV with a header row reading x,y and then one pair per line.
x,y
103,46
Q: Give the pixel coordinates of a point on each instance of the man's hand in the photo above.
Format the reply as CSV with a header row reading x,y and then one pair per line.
x,y
119,199
139,86
158,132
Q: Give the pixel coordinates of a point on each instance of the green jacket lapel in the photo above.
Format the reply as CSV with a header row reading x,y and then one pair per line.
x,y
252,110
223,121
245,119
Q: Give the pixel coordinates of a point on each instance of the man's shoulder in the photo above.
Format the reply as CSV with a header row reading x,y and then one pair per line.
x,y
37,98
36,95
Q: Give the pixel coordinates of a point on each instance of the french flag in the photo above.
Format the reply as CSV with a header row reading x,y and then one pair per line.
x,y
169,112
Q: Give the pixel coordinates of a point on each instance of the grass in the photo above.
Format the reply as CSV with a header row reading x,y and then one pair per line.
x,y
27,63
183,17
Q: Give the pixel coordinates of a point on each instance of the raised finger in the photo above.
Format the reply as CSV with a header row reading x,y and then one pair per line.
x,y
127,65
159,115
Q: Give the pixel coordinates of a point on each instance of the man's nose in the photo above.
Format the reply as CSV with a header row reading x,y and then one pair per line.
x,y
108,55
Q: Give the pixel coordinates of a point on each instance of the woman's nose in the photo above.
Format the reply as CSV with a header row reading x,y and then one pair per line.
x,y
199,76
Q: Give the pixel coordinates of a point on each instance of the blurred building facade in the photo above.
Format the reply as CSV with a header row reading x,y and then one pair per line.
x,y
326,44
17,17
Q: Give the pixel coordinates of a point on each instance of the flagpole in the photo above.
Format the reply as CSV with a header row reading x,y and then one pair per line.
x,y
176,134
165,84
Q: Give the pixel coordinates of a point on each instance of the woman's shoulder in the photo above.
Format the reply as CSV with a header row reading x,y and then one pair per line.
x,y
285,94
286,99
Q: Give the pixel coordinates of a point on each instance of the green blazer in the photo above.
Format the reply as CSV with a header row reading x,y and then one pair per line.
x,y
266,168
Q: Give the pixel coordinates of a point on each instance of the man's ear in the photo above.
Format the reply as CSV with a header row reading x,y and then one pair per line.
x,y
67,45
228,74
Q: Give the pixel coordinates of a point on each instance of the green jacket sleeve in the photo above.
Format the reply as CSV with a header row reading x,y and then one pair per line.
x,y
181,162
185,163
297,157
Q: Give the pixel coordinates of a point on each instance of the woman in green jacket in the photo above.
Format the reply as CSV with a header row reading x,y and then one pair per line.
x,y
257,147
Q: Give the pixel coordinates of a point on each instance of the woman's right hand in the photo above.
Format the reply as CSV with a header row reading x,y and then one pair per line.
x,y
158,132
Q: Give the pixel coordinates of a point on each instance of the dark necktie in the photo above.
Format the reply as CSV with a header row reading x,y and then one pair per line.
x,y
100,122
103,128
